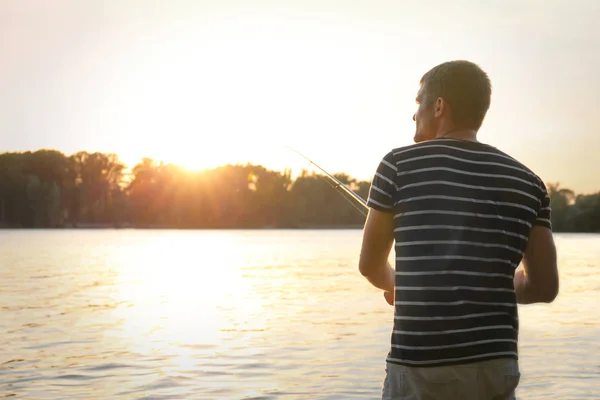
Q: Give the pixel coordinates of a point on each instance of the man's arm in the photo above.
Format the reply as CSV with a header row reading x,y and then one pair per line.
x,y
378,239
538,282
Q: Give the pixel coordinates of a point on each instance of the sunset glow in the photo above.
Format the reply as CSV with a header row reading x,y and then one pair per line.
x,y
202,83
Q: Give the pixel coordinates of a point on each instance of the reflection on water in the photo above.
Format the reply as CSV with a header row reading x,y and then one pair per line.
x,y
239,315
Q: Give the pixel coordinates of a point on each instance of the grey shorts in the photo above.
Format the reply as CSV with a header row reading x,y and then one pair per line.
x,y
484,380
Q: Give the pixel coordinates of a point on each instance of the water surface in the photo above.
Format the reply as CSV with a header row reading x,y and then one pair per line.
x,y
267,314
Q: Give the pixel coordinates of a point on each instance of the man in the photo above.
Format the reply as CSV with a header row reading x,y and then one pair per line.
x,y
464,216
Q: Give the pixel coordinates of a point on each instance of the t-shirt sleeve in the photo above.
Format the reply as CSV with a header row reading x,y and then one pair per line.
x,y
545,212
383,187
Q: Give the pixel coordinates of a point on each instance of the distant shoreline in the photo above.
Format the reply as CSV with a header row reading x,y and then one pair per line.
x,y
93,190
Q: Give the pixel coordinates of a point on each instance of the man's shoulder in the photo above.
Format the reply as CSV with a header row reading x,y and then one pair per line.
x,y
518,163
406,148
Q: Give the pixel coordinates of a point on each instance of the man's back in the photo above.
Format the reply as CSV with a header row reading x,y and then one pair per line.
x,y
463,212
463,215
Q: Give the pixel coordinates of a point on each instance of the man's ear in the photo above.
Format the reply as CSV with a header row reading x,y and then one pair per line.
x,y
440,107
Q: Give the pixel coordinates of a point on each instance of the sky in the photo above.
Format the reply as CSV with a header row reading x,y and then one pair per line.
x,y
205,83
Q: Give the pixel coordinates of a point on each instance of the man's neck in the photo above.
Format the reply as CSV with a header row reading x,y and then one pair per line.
x,y
460,134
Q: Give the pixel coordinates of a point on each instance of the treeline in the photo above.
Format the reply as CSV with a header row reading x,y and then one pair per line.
x,y
49,189
574,213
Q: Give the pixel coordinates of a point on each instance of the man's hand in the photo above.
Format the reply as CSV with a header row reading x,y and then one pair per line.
x,y
389,297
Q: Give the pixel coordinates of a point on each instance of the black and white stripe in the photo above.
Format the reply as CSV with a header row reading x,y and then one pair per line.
x,y
462,213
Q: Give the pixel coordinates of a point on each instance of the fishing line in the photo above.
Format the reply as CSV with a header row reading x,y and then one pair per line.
x,y
339,185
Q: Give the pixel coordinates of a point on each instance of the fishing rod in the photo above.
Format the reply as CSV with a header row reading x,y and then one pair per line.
x,y
337,184
389,296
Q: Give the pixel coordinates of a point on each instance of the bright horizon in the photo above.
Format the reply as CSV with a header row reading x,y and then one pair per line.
x,y
207,83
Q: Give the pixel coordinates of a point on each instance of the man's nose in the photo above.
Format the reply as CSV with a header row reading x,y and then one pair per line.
x,y
415,117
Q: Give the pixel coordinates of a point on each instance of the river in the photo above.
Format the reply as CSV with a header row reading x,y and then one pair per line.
x,y
257,314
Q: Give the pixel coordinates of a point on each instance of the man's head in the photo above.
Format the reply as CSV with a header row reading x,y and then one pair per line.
x,y
453,95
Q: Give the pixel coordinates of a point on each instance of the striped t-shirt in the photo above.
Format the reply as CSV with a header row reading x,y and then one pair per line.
x,y
463,212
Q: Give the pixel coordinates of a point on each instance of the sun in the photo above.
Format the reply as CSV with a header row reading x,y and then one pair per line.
x,y
199,158
193,157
